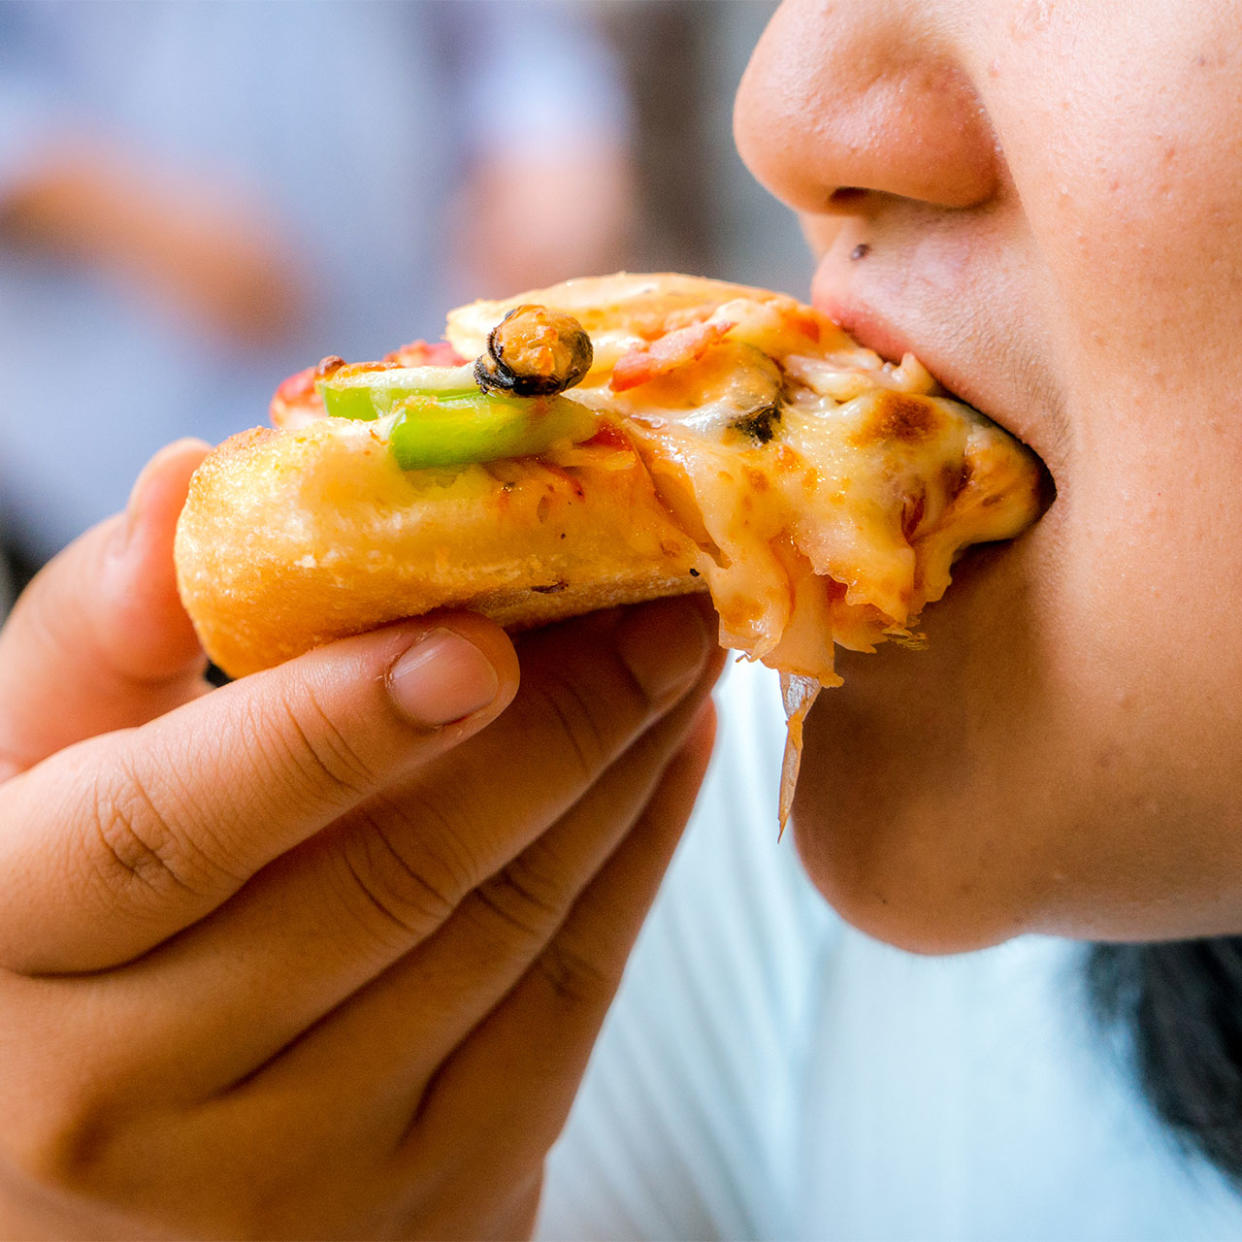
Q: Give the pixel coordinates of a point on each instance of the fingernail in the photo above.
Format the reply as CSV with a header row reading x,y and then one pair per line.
x,y
442,678
665,646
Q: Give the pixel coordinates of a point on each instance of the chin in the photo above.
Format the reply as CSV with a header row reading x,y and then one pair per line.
x,y
905,906
914,813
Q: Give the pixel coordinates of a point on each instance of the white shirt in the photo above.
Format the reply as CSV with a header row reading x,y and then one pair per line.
x,y
768,1072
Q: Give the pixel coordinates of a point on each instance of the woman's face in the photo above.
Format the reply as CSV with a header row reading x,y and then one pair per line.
x,y
1043,200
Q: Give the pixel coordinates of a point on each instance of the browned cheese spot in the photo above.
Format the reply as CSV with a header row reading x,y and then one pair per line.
x,y
912,509
955,476
896,416
786,458
757,479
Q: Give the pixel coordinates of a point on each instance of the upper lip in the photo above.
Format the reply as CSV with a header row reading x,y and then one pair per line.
x,y
872,329
970,369
990,395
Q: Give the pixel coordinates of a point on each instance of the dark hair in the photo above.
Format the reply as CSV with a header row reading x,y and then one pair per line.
x,y
1179,1006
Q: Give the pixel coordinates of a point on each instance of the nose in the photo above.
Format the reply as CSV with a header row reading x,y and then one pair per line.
x,y
848,100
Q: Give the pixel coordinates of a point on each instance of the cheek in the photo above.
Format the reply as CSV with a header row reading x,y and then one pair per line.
x,y
1136,208
1065,755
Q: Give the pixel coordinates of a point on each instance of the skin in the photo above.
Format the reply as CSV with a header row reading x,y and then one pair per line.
x,y
1042,195
217,260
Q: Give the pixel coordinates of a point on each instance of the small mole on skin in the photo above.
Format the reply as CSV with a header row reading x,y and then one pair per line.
x,y
861,251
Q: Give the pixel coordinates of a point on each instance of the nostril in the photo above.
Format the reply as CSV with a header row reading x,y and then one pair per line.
x,y
898,116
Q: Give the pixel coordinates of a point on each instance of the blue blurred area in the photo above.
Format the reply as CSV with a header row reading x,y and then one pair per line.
x,y
315,178
343,136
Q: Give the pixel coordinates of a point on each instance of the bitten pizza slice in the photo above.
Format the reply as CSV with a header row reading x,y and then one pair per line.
x,y
604,441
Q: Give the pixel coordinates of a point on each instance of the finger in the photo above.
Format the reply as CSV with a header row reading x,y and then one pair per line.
x,y
112,846
387,1042
501,1100
99,640
325,920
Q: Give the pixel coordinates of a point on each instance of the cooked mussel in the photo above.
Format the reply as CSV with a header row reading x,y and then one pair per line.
x,y
534,352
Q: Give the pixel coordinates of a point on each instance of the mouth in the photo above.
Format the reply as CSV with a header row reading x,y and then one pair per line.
x,y
871,329
980,368
965,381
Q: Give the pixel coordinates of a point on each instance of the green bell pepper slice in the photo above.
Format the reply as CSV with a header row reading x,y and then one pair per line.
x,y
368,395
444,420
455,431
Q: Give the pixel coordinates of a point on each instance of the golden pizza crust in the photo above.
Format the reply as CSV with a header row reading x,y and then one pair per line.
x,y
291,539
747,446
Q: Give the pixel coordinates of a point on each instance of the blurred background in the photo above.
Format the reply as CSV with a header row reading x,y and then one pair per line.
x,y
199,198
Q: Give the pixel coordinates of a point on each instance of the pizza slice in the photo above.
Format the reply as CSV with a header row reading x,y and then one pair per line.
x,y
604,441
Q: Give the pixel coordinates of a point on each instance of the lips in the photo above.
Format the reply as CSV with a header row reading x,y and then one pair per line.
x,y
872,329
986,355
980,384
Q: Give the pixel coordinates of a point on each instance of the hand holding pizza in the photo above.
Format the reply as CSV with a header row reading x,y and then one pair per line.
x,y
317,952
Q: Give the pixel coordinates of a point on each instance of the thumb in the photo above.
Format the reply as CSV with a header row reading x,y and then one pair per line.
x,y
99,640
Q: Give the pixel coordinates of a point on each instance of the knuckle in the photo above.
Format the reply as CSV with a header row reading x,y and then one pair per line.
x,y
590,730
63,1148
318,753
403,893
574,979
528,898
139,842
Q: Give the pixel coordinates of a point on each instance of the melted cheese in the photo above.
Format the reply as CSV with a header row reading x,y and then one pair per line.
x,y
842,525
828,491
